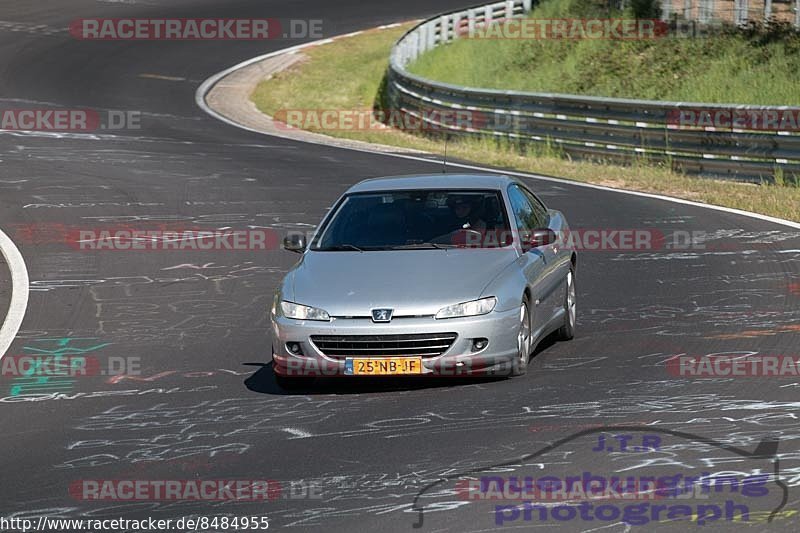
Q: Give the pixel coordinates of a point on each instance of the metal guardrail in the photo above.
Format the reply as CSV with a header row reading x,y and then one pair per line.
x,y
613,129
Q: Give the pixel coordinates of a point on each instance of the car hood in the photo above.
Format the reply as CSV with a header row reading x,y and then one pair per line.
x,y
412,282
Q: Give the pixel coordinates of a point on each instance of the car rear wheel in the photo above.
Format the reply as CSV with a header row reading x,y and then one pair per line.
x,y
567,331
520,365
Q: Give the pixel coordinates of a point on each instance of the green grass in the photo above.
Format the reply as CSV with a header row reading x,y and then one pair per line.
x,y
732,67
347,75
342,75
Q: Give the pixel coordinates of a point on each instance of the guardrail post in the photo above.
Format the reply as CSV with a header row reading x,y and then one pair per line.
x,y
509,9
456,25
526,5
444,29
797,14
667,156
666,9
487,15
740,9
705,10
471,22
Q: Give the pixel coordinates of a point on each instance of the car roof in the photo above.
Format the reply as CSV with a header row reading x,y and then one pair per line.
x,y
433,181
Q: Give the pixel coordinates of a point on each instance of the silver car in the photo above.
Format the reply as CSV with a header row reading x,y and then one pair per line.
x,y
452,275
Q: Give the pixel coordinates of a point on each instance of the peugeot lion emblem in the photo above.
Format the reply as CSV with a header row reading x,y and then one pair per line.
x,y
382,315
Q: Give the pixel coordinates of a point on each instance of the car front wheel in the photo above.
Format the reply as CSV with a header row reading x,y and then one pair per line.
x,y
520,364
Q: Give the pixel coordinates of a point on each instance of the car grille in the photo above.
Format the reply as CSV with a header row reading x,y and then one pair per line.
x,y
424,345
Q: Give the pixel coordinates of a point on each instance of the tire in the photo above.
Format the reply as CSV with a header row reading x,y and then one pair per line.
x,y
520,364
567,331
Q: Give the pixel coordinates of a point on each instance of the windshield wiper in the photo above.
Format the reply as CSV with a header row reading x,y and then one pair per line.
x,y
422,246
340,247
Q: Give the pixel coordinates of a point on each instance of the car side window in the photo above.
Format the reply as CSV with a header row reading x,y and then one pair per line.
x,y
538,208
525,215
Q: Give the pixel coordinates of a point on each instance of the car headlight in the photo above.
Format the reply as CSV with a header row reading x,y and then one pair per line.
x,y
473,308
303,312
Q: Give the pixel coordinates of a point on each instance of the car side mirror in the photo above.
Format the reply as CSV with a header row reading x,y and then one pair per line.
x,y
295,242
541,237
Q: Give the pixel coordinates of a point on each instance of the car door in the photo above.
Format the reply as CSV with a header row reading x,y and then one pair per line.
x,y
556,264
532,262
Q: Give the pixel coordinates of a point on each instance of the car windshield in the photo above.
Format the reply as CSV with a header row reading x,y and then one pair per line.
x,y
416,219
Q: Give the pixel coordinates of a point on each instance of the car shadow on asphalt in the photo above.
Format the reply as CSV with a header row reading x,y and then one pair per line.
x,y
544,344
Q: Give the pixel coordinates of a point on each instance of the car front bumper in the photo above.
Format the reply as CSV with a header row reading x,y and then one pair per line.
x,y
460,359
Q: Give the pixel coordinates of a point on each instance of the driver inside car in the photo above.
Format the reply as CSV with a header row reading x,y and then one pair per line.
x,y
466,212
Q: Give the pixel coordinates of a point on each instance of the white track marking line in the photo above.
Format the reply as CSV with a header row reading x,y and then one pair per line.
x,y
19,292
299,433
207,85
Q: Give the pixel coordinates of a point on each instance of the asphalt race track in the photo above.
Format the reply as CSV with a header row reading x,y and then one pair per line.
x,y
347,456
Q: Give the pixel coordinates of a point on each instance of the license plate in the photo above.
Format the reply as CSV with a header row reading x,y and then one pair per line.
x,y
382,366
